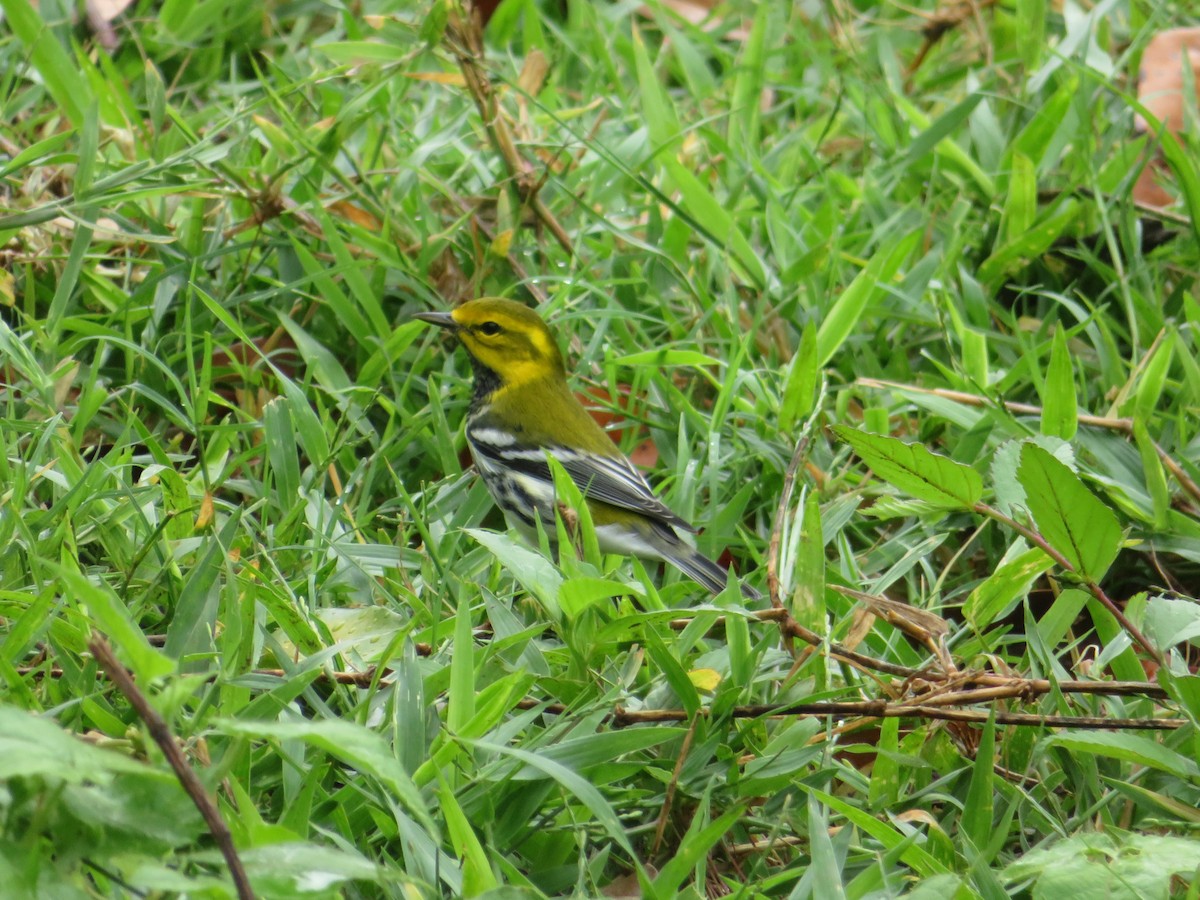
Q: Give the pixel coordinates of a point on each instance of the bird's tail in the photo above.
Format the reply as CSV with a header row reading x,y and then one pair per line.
x,y
704,571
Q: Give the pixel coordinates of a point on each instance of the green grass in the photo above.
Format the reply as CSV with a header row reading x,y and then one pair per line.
x,y
227,447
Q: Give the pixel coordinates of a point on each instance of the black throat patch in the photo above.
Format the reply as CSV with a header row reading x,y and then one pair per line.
x,y
487,382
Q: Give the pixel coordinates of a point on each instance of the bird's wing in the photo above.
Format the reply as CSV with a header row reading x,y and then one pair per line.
x,y
608,479
614,480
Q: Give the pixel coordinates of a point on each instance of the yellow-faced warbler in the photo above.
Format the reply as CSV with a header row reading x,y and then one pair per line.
x,y
523,410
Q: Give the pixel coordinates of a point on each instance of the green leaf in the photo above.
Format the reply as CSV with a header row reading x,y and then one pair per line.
x,y
1129,747
356,53
583,592
461,700
578,786
868,286
111,616
808,596
1030,245
295,868
710,215
193,626
280,438
1060,412
826,868
1067,606
56,68
884,787
353,744
941,128
1020,207
34,746
1182,810
1035,138
1171,621
995,597
1156,477
535,573
1183,165
1069,516
921,860
1184,690
913,469
1007,459
976,820
366,631
1149,394
601,748
1111,865
749,75
478,876
800,389
666,357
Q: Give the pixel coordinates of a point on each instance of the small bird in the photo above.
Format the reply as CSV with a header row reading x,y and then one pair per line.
x,y
522,410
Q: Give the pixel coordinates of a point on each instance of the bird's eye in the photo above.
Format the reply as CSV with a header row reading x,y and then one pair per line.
x,y
490,328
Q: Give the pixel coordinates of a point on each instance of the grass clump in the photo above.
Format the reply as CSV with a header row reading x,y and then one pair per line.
x,y
874,305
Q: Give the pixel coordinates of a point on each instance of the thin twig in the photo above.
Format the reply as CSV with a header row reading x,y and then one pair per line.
x,y
528,282
161,733
1107,688
876,709
835,650
1012,685
672,787
467,46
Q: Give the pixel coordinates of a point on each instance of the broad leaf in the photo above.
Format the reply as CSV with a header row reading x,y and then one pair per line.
x,y
1069,516
927,476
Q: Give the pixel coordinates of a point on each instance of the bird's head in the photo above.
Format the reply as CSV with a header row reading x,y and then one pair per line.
x,y
506,339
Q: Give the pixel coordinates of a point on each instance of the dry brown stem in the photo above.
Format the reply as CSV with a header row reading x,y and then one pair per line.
x,y
161,733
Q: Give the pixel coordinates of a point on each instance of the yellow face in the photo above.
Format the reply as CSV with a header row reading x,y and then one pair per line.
x,y
505,337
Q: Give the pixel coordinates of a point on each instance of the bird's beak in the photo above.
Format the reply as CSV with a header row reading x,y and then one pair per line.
x,y
441,319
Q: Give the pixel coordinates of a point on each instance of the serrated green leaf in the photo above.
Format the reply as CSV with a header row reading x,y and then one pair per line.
x,y
1069,516
1007,459
915,470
